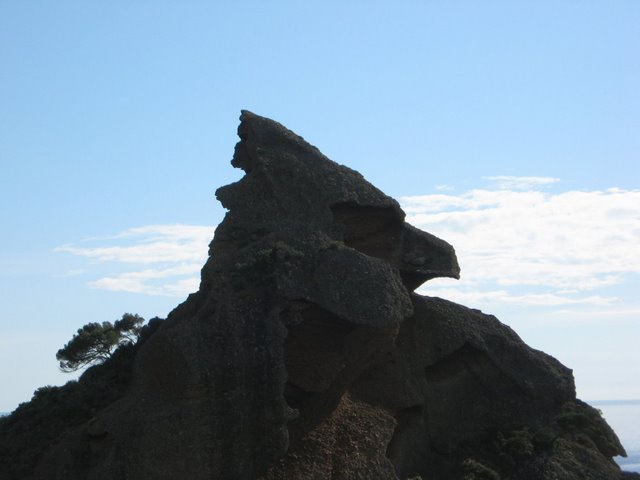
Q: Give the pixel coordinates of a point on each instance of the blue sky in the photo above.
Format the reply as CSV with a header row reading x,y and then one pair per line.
x,y
510,130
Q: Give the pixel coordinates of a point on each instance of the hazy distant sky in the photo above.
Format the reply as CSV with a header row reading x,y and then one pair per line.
x,y
510,129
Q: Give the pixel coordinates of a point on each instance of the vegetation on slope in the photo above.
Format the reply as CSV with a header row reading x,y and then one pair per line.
x,y
35,425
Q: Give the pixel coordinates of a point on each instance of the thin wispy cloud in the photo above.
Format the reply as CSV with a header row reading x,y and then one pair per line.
x,y
176,281
70,273
506,182
149,244
480,297
172,256
516,247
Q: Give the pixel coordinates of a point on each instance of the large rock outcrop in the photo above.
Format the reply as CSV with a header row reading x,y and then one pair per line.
x,y
306,354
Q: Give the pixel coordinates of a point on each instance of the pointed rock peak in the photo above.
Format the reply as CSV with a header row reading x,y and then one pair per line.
x,y
291,188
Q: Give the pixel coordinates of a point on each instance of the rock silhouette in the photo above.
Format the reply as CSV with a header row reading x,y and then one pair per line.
x,y
306,354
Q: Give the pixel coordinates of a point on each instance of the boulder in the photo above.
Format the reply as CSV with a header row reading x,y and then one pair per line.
x,y
306,354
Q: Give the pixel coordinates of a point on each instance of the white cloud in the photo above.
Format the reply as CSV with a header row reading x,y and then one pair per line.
x,y
173,255
139,282
490,297
631,312
505,182
70,273
567,243
152,244
567,248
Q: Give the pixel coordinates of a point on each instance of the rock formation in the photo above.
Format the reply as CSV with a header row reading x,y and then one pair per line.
x,y
306,354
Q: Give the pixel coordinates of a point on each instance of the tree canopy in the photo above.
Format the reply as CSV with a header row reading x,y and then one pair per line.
x,y
96,342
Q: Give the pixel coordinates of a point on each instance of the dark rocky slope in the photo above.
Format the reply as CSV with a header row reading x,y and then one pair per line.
x,y
305,354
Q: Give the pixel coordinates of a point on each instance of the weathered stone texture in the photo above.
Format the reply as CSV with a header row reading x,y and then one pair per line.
x,y
305,354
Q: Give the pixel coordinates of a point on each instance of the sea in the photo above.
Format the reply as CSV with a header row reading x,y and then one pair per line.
x,y
624,418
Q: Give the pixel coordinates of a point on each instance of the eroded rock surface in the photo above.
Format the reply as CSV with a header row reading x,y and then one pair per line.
x,y
306,354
